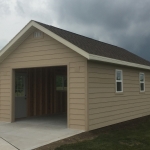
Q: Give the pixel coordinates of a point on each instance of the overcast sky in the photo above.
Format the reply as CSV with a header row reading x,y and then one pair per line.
x,y
125,23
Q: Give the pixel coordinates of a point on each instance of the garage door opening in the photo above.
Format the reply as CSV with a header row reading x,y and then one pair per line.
x,y
41,92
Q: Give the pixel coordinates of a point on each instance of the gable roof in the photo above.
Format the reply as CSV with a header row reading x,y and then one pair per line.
x,y
95,47
87,47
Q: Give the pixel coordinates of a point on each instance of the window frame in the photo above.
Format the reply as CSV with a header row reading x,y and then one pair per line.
x,y
141,81
63,85
24,83
121,81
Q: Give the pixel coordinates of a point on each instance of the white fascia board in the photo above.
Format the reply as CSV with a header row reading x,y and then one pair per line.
x,y
61,40
28,26
115,61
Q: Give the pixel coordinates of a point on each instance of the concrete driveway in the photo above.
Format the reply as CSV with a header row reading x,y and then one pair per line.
x,y
4,145
30,133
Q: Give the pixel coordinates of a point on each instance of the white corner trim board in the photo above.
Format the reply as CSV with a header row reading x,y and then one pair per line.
x,y
88,56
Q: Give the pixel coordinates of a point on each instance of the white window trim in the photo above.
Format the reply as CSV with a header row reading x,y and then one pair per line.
x,y
119,80
142,81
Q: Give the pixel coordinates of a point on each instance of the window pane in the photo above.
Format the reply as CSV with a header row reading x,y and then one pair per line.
x,y
142,86
19,86
141,77
119,86
118,75
59,83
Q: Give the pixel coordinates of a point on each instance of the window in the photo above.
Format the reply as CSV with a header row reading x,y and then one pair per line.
x,y
61,83
142,82
19,86
119,81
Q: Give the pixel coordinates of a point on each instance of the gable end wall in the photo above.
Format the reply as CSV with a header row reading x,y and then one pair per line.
x,y
47,52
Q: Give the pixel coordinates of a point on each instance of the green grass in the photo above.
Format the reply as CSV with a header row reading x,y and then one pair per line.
x,y
136,137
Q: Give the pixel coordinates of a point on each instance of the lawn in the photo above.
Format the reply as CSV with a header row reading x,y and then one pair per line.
x,y
129,136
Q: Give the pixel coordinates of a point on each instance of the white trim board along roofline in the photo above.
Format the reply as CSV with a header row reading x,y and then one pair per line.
x,y
32,25
116,61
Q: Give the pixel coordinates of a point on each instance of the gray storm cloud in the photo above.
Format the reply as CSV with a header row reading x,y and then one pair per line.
x,y
124,23
118,22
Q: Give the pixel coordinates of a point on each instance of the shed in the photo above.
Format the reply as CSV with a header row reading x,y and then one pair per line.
x,y
45,70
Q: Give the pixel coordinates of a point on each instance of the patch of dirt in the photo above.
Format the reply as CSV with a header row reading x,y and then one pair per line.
x,y
94,133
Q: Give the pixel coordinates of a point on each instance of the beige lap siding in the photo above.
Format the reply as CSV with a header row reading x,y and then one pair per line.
x,y
38,52
4,94
106,107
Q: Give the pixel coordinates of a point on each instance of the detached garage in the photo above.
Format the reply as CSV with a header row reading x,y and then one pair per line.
x,y
46,71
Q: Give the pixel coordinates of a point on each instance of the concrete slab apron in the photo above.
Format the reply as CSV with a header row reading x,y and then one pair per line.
x,y
32,133
5,145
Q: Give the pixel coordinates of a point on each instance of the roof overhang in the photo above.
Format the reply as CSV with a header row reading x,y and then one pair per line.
x,y
116,61
32,26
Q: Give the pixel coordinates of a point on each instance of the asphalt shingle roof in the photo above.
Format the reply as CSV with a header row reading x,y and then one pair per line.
x,y
95,47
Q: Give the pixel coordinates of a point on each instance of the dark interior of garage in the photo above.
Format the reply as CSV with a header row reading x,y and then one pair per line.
x,y
43,89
